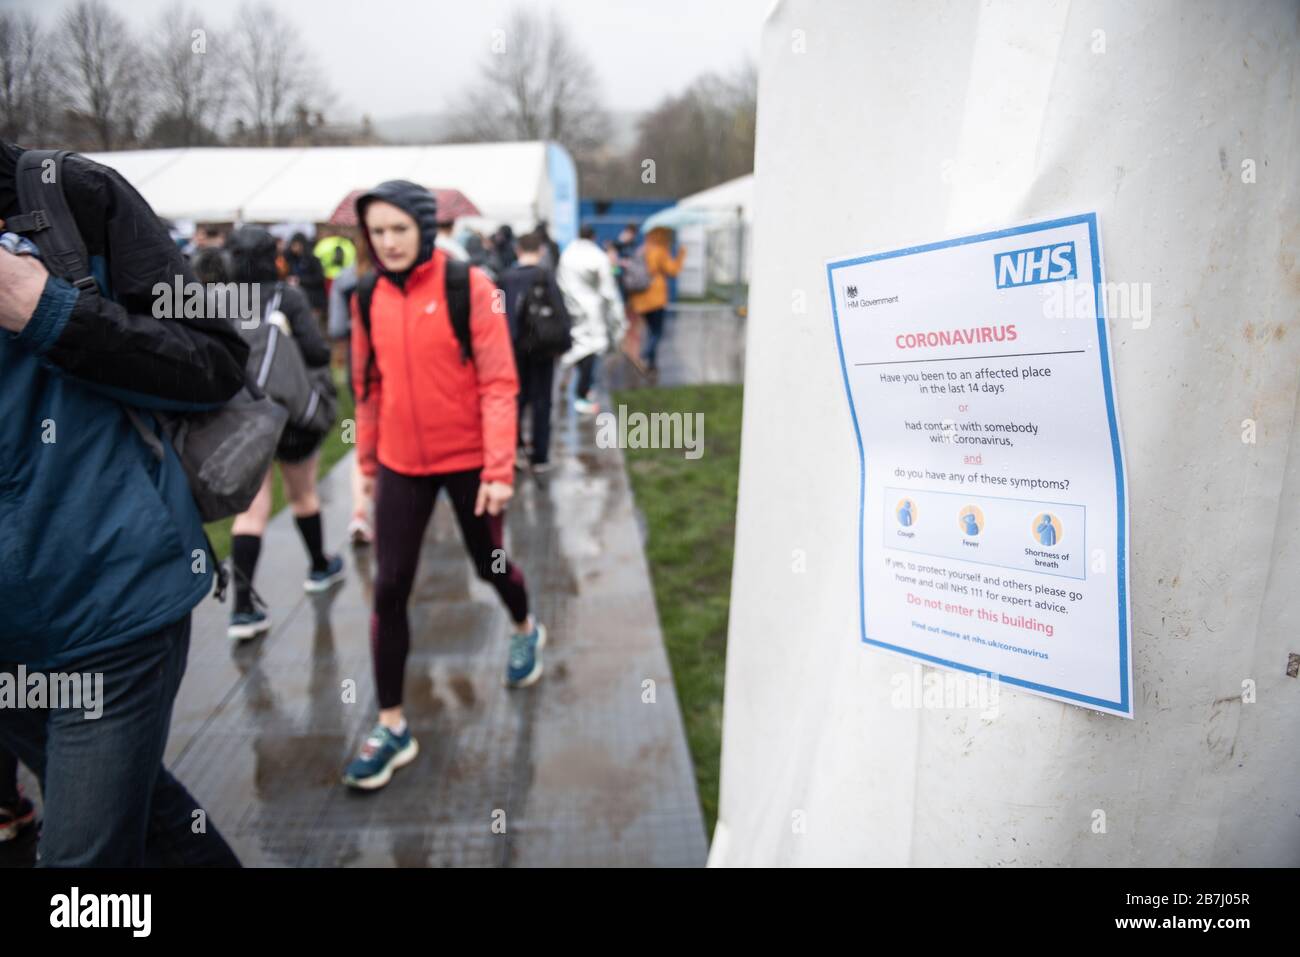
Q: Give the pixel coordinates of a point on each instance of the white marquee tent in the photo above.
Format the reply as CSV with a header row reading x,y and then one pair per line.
x,y
515,183
714,242
725,198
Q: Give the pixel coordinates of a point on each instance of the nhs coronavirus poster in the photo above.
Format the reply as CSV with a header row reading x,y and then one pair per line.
x,y
992,523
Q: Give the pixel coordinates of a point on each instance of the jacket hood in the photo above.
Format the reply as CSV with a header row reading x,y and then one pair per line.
x,y
412,199
252,254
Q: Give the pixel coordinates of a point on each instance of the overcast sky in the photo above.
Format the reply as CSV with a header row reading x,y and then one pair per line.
x,y
391,57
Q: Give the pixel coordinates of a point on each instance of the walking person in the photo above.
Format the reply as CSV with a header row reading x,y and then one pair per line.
x,y
335,253
540,328
651,303
503,241
305,272
437,387
252,260
550,248
342,293
586,277
622,253
102,536
625,247
482,255
448,243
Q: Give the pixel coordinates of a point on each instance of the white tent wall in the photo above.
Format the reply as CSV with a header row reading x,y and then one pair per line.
x,y
882,125
509,182
714,244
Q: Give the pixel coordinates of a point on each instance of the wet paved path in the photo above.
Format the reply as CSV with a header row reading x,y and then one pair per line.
x,y
577,770
701,345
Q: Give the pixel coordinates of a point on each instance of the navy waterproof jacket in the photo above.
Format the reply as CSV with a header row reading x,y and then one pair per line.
x,y
101,544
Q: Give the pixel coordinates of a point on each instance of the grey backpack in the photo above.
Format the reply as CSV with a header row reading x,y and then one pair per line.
x,y
276,366
226,452
636,274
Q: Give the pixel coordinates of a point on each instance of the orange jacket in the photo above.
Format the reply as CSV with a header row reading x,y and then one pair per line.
x,y
427,411
660,264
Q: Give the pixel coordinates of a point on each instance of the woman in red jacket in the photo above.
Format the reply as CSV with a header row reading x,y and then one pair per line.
x,y
435,409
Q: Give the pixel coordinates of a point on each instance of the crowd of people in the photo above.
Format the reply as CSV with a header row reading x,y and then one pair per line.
x,y
449,344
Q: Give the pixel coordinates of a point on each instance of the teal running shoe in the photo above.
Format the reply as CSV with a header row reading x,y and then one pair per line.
x,y
382,754
524,666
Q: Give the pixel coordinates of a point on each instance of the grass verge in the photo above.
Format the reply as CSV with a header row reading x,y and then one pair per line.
x,y
690,513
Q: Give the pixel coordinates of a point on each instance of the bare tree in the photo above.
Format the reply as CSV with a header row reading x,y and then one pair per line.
x,y
192,77
28,103
274,76
698,139
534,84
101,68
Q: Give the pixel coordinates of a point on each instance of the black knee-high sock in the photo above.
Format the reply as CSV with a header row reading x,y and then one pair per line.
x,y
309,528
244,550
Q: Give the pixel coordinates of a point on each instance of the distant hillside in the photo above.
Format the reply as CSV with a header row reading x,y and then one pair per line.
x,y
412,127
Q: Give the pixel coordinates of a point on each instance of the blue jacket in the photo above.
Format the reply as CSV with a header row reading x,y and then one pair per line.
x,y
101,544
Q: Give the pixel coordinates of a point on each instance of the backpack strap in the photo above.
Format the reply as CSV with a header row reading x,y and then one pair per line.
x,y
456,278
457,291
268,357
46,219
48,222
365,293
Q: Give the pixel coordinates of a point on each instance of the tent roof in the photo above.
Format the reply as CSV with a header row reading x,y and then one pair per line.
x,y
725,196
219,184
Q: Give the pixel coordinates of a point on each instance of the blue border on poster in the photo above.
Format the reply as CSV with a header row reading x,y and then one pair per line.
x,y
1103,350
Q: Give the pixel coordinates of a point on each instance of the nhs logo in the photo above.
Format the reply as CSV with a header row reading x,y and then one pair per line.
x,y
1025,267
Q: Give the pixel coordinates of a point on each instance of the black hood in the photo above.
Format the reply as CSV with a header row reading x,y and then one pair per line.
x,y
252,254
412,199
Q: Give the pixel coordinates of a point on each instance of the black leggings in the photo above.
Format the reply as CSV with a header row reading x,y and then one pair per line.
x,y
403,505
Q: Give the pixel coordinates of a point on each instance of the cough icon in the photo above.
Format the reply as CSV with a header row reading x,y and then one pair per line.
x,y
906,512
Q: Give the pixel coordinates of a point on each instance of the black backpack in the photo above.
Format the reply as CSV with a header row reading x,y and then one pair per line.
x,y
456,291
544,324
225,453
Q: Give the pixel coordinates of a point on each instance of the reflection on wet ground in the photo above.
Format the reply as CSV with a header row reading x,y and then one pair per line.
x,y
581,769
701,345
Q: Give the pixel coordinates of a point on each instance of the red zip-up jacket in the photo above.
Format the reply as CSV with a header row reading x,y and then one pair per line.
x,y
427,411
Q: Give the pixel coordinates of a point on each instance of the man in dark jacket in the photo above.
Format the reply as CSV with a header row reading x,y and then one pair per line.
x,y
306,272
102,551
503,241
536,372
